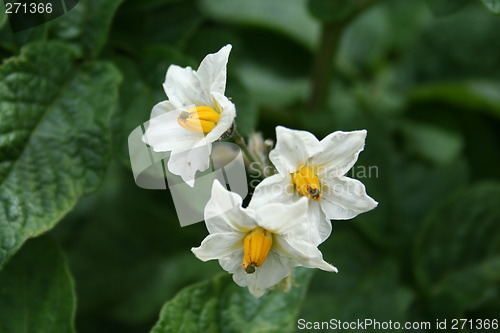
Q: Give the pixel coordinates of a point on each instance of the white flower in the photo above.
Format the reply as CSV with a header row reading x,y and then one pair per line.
x,y
315,170
258,246
196,114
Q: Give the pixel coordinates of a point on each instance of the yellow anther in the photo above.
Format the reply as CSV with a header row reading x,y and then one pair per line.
x,y
199,119
256,247
307,183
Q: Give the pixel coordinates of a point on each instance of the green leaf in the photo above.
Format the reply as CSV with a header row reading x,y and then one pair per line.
x,y
270,88
367,40
14,41
493,5
37,292
449,49
219,305
86,26
467,288
288,17
460,237
435,144
54,137
469,107
477,96
446,7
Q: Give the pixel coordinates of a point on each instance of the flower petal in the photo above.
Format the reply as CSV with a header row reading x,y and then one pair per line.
x,y
276,188
304,253
344,198
319,227
164,133
223,212
275,268
183,87
162,108
280,218
212,71
293,149
226,117
339,152
219,246
186,163
233,262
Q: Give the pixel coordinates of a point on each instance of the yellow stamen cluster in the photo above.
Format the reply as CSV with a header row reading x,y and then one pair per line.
x,y
307,183
256,247
199,119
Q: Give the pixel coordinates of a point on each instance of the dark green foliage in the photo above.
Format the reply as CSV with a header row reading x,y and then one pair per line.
x,y
446,7
36,291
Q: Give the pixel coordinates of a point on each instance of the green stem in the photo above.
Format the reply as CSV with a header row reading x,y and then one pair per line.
x,y
247,154
324,64
238,139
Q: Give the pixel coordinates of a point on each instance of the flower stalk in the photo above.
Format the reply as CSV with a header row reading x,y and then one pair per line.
x,y
248,155
324,62
324,65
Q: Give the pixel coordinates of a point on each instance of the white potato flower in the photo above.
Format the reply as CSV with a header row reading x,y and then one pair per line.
x,y
313,169
260,246
196,114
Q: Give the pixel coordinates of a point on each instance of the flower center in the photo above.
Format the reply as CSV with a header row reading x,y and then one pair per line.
x,y
307,183
256,247
199,119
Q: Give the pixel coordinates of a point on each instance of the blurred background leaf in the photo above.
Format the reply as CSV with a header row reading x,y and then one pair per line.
x,y
476,96
293,19
459,244
445,7
86,26
36,291
367,285
493,5
169,24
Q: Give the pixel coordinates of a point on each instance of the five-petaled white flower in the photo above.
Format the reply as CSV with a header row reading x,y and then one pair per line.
x,y
258,246
315,169
196,114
